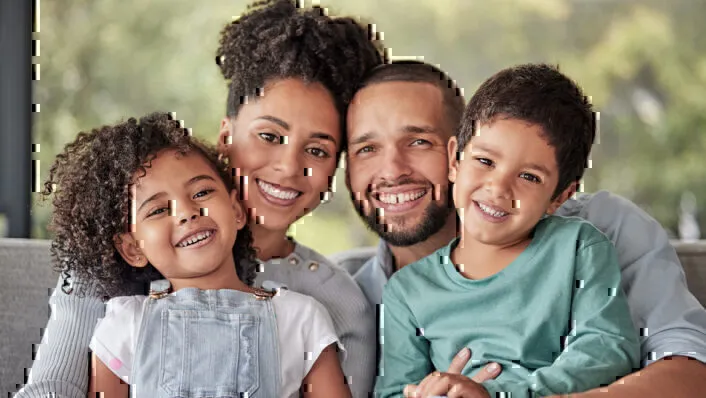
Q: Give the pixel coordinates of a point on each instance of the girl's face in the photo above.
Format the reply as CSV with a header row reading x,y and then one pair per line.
x,y
184,220
283,143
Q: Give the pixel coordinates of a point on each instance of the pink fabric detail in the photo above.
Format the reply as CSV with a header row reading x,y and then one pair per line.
x,y
115,364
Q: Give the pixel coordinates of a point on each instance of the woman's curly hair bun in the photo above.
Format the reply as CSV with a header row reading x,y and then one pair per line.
x,y
277,39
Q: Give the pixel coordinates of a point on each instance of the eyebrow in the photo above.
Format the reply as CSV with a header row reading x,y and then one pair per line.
x,y
317,134
533,166
191,181
419,129
539,167
275,120
411,129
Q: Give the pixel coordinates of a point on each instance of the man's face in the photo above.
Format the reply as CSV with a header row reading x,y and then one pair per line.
x,y
397,164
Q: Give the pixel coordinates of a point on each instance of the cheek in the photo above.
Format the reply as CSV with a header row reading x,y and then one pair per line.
x,y
151,237
245,157
319,175
359,175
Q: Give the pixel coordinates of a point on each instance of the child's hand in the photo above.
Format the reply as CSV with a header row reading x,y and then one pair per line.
x,y
452,383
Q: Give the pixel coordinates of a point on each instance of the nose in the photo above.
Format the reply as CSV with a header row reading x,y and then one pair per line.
x,y
185,213
288,160
394,165
499,185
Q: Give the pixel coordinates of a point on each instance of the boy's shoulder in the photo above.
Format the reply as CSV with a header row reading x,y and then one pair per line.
x,y
555,228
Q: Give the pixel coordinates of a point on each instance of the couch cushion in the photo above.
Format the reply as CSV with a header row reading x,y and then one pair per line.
x,y
25,286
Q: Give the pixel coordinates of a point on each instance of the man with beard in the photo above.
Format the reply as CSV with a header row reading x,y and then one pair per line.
x,y
398,127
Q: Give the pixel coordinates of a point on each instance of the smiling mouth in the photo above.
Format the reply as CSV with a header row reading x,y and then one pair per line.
x,y
400,198
491,211
196,238
278,192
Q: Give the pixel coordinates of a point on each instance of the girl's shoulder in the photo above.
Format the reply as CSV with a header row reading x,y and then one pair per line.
x,y
291,302
296,312
125,306
303,325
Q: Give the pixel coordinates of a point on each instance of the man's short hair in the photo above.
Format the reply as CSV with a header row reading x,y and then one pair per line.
x,y
541,95
421,72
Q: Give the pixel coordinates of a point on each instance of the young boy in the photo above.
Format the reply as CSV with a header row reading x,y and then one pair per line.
x,y
538,294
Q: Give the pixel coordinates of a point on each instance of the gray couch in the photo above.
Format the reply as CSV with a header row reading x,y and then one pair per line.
x,y
28,279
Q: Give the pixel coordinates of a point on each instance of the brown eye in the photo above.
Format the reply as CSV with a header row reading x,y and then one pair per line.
x,y
269,137
157,211
530,177
201,194
485,162
365,149
318,152
419,142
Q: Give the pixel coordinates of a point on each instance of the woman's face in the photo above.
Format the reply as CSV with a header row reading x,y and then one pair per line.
x,y
283,145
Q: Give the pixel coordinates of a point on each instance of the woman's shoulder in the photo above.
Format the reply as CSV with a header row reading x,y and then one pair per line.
x,y
322,269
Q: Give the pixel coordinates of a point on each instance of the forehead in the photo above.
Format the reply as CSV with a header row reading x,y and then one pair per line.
x,y
308,105
172,167
519,139
390,106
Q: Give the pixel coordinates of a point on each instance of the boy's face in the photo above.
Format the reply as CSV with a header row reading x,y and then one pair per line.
x,y
504,182
185,220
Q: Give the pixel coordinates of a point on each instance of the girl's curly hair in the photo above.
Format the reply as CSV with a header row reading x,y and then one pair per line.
x,y
90,182
275,39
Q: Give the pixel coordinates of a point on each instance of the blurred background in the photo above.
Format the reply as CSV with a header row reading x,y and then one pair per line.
x,y
642,62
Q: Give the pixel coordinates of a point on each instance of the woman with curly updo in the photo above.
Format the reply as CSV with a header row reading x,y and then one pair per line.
x,y
145,202
291,73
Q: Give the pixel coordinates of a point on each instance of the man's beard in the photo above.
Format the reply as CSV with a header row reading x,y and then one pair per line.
x,y
433,220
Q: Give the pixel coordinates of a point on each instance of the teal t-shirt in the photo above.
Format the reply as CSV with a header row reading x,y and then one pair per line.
x,y
556,318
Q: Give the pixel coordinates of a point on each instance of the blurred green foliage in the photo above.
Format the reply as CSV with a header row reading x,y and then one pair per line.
x,y
642,62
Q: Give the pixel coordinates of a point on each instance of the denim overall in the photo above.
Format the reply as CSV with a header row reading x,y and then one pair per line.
x,y
206,344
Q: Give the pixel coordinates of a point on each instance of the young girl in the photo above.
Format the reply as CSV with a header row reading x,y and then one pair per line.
x,y
138,202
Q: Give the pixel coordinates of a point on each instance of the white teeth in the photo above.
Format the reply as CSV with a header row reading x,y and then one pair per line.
x,y
195,239
490,211
276,192
400,197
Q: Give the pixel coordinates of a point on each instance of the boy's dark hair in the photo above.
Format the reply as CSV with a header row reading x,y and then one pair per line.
x,y
90,182
538,94
422,72
275,39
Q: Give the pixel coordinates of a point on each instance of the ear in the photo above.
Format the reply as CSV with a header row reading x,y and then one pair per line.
x,y
240,219
453,158
130,250
563,197
225,137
